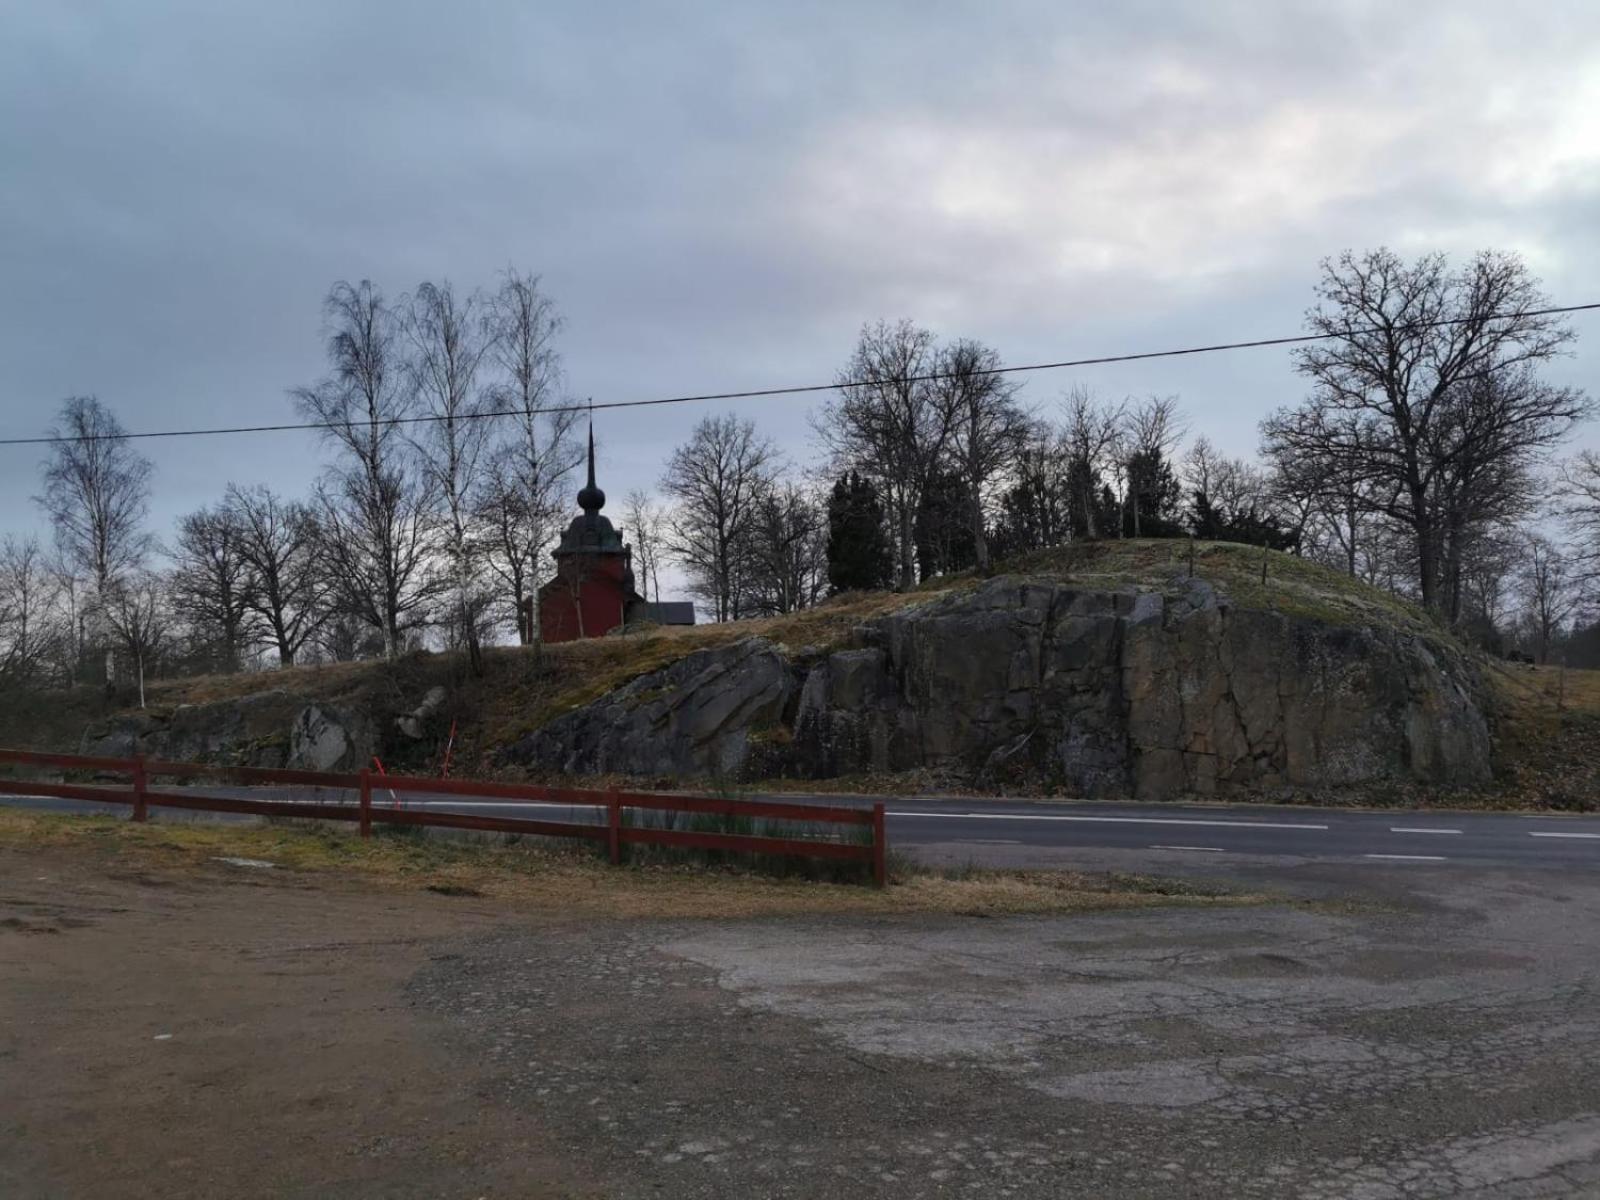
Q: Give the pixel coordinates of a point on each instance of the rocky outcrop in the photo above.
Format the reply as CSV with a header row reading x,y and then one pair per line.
x,y
1096,692
268,729
414,724
694,717
325,738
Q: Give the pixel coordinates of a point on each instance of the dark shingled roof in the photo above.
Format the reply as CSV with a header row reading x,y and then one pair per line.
x,y
670,612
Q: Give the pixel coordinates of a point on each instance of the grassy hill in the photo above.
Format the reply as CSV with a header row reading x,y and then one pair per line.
x,y
1547,722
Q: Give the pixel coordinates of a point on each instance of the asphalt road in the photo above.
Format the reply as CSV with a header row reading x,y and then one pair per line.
x,y
1017,833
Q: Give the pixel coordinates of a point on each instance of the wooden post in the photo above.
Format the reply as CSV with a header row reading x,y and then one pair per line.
x,y
614,827
366,802
1263,564
880,848
140,811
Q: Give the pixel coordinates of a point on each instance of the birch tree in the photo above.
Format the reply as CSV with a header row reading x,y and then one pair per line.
x,y
716,481
97,495
449,341
524,495
374,503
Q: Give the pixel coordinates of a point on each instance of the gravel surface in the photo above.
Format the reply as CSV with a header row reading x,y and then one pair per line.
x,y
1446,1048
1390,1033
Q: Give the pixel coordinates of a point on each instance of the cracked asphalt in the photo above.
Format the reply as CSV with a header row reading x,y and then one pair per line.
x,y
1437,1037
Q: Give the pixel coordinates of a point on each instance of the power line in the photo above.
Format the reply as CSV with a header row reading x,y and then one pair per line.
x,y
802,389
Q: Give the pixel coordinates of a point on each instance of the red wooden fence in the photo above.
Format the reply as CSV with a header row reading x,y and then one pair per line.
x,y
615,833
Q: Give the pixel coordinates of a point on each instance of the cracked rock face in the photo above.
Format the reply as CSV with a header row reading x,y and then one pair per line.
x,y
695,716
269,729
1102,693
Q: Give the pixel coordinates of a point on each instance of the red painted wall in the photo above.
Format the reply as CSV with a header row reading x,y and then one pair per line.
x,y
599,593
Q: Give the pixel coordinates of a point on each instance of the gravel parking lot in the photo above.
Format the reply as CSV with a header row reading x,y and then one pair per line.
x,y
327,1041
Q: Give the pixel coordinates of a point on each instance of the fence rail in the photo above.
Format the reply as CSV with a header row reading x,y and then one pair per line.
x,y
616,831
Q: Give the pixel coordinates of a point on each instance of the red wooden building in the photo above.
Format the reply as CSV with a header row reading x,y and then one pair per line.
x,y
593,589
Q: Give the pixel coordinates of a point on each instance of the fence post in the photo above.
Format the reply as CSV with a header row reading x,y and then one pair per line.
x,y
880,847
614,826
140,811
366,803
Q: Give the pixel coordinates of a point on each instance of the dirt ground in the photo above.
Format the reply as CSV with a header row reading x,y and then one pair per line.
x,y
175,1025
204,1029
236,1033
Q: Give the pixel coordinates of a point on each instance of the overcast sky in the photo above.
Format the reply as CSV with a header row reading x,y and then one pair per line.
x,y
718,195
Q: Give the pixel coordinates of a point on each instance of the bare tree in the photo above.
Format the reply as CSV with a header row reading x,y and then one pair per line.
x,y
1336,509
1581,492
29,624
289,589
785,552
1487,571
449,340
213,582
1036,506
375,504
523,496
1235,498
96,494
648,522
68,584
1091,439
716,480
137,610
1548,597
889,425
1151,431
989,427
1392,388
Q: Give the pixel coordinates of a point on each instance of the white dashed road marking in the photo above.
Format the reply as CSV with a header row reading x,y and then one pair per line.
x,y
1586,836
1419,829
938,816
1409,857
1207,849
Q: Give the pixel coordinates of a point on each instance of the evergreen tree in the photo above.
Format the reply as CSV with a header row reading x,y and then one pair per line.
x,y
1214,522
859,555
943,531
1153,497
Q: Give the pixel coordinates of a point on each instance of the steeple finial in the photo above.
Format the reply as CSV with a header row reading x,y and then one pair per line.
x,y
591,499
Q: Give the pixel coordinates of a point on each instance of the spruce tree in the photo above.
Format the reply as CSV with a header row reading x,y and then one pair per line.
x,y
859,555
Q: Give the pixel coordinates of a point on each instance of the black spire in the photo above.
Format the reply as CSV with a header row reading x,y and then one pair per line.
x,y
590,531
591,499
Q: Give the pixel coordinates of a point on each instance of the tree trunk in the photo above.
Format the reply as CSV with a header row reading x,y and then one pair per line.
x,y
1427,548
980,543
908,578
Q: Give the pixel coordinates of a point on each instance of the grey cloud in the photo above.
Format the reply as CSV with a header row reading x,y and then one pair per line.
x,y
718,195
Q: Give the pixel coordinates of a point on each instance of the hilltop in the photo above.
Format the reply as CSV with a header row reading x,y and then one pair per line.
x,y
1417,711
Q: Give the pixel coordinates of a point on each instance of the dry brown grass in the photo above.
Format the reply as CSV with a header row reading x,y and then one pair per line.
x,y
592,668
1292,585
566,882
1547,737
